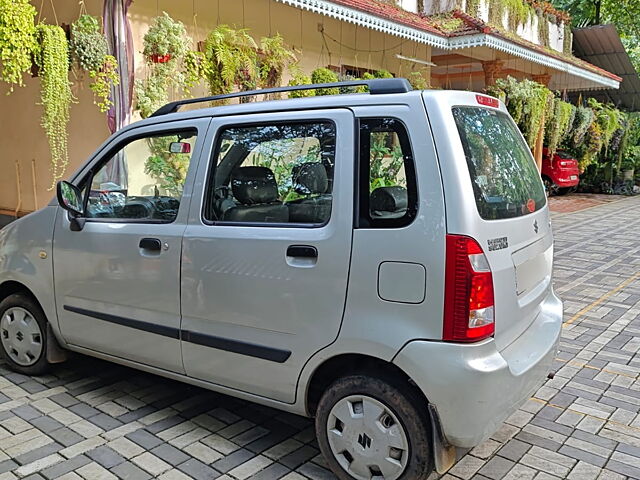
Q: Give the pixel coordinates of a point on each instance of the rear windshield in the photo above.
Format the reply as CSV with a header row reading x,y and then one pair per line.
x,y
505,179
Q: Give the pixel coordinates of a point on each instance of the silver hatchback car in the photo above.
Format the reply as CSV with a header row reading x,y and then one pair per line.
x,y
380,261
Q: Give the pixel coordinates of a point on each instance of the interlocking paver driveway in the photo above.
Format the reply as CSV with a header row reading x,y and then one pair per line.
x,y
94,420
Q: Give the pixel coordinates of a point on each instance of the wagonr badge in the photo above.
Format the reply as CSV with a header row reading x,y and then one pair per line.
x,y
371,288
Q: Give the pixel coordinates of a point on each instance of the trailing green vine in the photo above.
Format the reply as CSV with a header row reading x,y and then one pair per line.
x,y
472,7
53,60
567,41
17,40
558,124
543,29
194,69
583,118
527,102
103,80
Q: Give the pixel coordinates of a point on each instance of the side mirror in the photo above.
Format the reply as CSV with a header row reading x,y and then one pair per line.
x,y
70,198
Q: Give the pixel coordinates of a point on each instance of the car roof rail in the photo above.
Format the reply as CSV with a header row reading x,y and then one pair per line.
x,y
377,86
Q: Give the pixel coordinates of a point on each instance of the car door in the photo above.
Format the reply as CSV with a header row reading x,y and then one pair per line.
x,y
117,281
266,253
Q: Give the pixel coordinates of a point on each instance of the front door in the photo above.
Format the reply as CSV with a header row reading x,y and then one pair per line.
x,y
266,256
117,281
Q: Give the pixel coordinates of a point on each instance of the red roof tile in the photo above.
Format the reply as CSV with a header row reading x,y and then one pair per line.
x,y
471,26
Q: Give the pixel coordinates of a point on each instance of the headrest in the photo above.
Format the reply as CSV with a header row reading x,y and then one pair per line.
x,y
310,178
389,199
253,185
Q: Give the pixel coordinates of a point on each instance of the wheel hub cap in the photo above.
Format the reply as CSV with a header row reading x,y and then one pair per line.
x,y
21,336
367,439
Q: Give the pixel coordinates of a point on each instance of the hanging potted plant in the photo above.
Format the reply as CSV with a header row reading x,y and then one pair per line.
x,y
89,50
194,69
166,40
165,47
274,57
52,58
233,58
17,40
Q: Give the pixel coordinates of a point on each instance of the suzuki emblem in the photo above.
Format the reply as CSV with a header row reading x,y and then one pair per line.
x,y
535,226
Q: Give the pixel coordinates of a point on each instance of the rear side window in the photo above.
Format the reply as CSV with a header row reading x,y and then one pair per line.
x,y
388,193
505,179
280,173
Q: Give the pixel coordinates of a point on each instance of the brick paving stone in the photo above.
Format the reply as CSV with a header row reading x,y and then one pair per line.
x,y
65,436
198,470
150,463
144,439
129,471
93,471
65,467
170,454
105,456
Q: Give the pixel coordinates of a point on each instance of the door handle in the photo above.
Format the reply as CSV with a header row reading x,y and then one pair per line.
x,y
302,251
151,244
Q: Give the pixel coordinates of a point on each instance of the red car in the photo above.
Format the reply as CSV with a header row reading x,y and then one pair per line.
x,y
560,174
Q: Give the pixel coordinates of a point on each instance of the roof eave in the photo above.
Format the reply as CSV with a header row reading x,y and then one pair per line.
x,y
488,38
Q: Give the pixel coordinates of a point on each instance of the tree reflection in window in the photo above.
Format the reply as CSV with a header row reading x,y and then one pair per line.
x,y
505,179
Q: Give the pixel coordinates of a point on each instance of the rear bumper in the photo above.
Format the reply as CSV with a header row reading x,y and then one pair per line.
x,y
476,387
563,177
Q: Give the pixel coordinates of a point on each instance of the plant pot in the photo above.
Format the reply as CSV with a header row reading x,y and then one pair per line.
x,y
155,58
627,175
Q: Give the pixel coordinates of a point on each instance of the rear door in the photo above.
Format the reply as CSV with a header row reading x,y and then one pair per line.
x,y
266,253
494,194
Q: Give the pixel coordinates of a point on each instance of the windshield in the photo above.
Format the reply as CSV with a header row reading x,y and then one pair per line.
x,y
505,179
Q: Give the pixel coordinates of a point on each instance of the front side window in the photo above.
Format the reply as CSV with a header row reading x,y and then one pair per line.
x,y
387,181
506,181
142,181
274,173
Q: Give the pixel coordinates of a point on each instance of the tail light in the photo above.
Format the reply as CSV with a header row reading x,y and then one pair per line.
x,y
468,296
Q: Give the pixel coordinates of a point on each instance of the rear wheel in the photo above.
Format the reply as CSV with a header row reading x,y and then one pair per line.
x,y
550,187
369,428
23,335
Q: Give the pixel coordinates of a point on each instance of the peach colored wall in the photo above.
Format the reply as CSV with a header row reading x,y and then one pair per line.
x,y
22,139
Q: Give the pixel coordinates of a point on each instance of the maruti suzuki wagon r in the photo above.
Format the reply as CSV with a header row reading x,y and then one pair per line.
x,y
379,261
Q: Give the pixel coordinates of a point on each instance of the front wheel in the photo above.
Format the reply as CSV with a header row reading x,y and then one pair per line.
x,y
372,428
23,335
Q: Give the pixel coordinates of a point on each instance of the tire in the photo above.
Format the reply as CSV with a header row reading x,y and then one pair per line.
x,y
364,451
549,187
564,190
23,335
